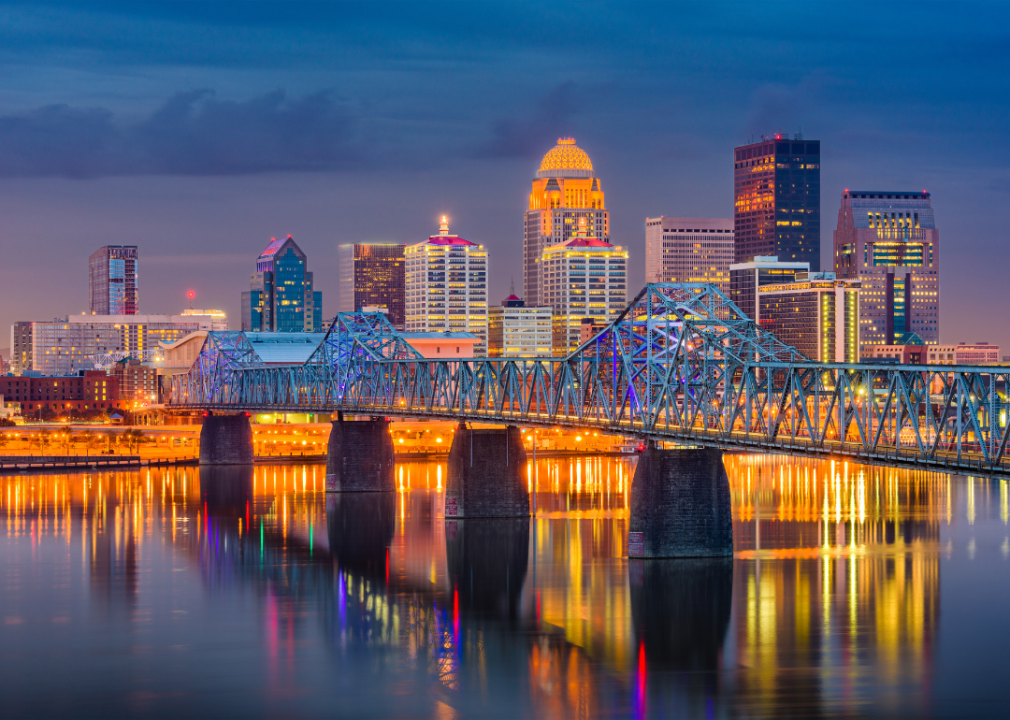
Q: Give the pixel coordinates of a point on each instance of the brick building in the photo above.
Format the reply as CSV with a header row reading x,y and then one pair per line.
x,y
89,390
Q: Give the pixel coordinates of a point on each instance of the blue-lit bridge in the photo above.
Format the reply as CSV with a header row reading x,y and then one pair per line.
x,y
681,363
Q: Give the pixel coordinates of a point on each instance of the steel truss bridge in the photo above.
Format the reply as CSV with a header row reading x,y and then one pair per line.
x,y
681,363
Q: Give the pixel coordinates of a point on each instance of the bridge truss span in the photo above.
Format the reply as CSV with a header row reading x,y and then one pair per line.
x,y
681,363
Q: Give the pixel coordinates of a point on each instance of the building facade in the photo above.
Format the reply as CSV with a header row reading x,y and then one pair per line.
x,y
817,314
446,286
137,382
373,275
515,330
88,390
912,349
777,200
565,192
682,250
113,287
21,347
585,277
746,278
889,242
280,297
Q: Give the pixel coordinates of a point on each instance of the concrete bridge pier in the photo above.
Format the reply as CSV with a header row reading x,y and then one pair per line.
x,y
487,474
226,440
359,456
680,505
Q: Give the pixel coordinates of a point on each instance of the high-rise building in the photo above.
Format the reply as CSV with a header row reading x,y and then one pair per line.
x,y
777,200
446,281
746,278
564,191
682,250
114,287
515,330
372,275
21,347
584,277
817,314
281,298
889,241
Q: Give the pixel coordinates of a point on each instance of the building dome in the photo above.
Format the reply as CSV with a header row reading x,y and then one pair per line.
x,y
566,159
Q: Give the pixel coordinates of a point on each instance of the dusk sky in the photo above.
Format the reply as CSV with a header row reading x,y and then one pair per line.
x,y
197,131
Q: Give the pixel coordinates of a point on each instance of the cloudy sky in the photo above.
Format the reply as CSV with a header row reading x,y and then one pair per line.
x,y
199,130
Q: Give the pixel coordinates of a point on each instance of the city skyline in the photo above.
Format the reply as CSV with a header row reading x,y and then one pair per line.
x,y
662,141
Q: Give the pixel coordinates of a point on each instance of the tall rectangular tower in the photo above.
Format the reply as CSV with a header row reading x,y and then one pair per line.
x,y
280,297
113,287
565,191
680,250
372,275
890,242
777,200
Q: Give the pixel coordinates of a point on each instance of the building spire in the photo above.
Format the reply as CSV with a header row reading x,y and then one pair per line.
x,y
512,286
443,226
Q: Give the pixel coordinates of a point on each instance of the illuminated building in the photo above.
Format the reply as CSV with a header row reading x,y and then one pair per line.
x,y
443,344
911,349
280,298
564,192
777,200
515,330
447,286
372,275
217,318
889,242
138,382
584,277
113,286
21,347
87,390
817,314
746,278
682,250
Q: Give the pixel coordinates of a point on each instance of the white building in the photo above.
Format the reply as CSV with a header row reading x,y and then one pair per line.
x,y
515,330
689,250
446,281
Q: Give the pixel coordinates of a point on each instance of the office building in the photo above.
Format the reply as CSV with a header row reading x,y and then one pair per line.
x,y
584,277
113,286
217,319
817,314
688,250
565,191
21,346
515,330
373,275
137,381
280,297
89,390
746,278
911,349
777,200
889,242
446,286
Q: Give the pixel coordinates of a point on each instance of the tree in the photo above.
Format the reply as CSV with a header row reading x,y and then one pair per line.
x,y
66,436
44,437
134,439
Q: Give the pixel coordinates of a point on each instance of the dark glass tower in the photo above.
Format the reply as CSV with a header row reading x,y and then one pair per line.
x,y
112,272
281,298
777,201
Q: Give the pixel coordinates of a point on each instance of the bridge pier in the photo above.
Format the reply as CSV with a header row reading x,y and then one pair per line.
x,y
486,477
226,440
359,456
680,505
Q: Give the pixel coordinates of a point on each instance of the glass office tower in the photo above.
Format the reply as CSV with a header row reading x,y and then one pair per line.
x,y
281,298
113,287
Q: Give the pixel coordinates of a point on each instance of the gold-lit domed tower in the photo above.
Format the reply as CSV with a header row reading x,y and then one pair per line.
x,y
565,189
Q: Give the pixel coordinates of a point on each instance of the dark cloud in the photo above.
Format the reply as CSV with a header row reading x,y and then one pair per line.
x,y
193,133
525,137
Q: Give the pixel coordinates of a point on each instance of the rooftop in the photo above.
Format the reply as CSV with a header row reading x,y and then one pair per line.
x,y
566,159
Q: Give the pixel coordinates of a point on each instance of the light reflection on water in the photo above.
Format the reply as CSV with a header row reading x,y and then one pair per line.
x,y
250,592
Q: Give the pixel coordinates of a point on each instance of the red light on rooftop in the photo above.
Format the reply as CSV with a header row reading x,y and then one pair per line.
x,y
191,294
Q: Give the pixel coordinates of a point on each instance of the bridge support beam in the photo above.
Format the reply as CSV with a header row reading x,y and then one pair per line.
x,y
226,440
359,456
680,505
487,474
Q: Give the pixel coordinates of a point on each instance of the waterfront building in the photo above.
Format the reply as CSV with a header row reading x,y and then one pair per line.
x,y
446,286
137,381
515,330
373,275
584,277
911,348
85,390
281,298
817,314
113,287
689,250
564,192
889,242
777,200
438,345
746,278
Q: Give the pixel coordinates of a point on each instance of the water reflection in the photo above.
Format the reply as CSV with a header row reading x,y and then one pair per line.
x,y
831,604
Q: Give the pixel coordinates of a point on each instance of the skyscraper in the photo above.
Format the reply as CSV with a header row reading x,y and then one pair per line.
x,y
564,190
372,275
746,278
515,330
680,250
777,200
447,286
817,314
113,287
889,241
281,298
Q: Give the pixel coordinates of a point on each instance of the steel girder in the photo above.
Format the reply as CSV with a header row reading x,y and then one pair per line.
x,y
680,363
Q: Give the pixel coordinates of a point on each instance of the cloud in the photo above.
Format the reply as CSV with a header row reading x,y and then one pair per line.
x,y
525,137
193,133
